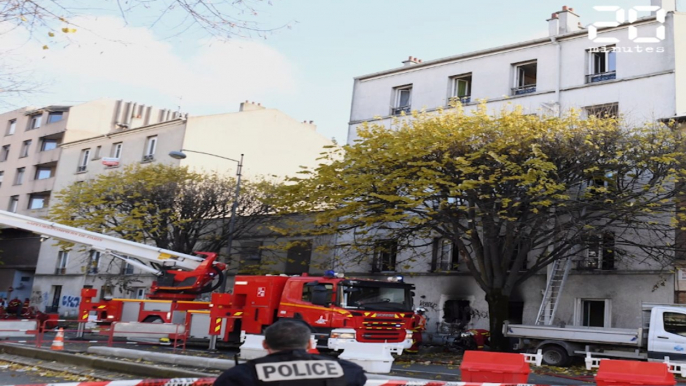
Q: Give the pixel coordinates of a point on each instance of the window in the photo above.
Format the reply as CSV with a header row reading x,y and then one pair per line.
x,y
54,116
599,252
116,150
402,100
444,257
5,153
25,149
126,269
309,289
83,160
48,144
610,110
56,297
43,172
93,262
674,323
150,145
250,256
11,127
2,175
62,259
525,78
98,152
34,122
251,251
602,64
38,200
457,311
385,255
140,293
14,202
298,257
106,292
594,312
19,178
461,88
515,252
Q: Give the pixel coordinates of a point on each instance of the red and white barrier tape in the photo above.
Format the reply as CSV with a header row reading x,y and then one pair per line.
x,y
140,382
210,381
438,383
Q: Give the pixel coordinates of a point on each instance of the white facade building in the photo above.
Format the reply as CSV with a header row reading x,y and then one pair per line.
x,y
642,81
274,144
29,156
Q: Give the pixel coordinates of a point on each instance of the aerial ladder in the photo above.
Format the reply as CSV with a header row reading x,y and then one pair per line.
x,y
179,276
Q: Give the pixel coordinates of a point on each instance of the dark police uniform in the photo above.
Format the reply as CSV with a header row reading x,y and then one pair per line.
x,y
293,368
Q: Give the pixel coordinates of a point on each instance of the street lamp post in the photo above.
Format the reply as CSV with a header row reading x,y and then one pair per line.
x,y
232,222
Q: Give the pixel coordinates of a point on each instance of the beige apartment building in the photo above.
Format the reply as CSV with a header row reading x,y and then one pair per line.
x,y
30,140
274,145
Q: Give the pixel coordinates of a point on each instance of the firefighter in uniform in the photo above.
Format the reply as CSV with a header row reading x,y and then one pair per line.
x,y
418,326
14,307
289,364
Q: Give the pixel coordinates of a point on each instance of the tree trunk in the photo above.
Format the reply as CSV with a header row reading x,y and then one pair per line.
x,y
498,312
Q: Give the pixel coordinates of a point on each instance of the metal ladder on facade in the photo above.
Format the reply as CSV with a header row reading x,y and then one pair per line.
x,y
556,282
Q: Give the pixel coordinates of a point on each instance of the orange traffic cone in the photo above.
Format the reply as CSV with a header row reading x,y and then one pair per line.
x,y
58,343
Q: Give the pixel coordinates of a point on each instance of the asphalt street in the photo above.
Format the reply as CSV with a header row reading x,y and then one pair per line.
x,y
402,368
17,374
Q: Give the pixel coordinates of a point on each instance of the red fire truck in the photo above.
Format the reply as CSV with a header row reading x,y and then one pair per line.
x,y
342,312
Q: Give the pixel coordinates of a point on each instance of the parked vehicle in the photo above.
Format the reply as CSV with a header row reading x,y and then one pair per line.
x,y
342,312
663,334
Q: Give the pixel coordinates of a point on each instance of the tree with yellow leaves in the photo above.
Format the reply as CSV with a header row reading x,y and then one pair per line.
x,y
504,189
166,206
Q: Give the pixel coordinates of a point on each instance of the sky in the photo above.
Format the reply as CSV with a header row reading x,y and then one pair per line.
x,y
305,70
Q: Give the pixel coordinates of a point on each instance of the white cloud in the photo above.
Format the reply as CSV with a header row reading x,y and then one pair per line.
x,y
106,57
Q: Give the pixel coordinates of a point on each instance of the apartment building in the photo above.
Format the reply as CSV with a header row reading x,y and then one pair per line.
x,y
636,69
274,146
30,140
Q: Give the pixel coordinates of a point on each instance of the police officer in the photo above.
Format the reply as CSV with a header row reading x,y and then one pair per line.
x,y
289,364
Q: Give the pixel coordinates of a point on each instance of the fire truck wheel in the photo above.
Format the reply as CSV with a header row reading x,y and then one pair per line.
x,y
153,319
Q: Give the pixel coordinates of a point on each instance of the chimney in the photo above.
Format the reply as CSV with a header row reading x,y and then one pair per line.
x,y
667,5
569,21
554,25
411,61
250,106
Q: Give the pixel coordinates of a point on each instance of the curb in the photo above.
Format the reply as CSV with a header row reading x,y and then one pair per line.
x,y
101,363
182,360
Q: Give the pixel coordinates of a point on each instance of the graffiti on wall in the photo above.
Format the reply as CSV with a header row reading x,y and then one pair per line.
x,y
429,305
37,298
70,301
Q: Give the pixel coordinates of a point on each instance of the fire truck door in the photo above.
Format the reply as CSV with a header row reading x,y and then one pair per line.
x,y
320,297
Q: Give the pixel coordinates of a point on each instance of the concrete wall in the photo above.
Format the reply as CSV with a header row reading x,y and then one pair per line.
x,y
274,144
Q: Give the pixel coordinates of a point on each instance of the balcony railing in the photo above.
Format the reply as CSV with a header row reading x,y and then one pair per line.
x,y
60,271
81,169
148,158
462,99
400,109
601,77
522,90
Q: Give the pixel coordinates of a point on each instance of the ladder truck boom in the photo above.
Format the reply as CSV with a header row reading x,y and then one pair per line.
x,y
174,280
